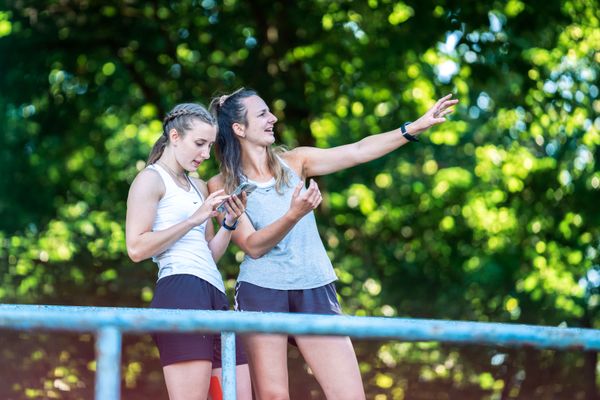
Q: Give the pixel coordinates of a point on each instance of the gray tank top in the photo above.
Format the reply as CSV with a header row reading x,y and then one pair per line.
x,y
299,260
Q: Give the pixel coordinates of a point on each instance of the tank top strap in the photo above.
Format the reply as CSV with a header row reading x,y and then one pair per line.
x,y
166,178
196,189
286,166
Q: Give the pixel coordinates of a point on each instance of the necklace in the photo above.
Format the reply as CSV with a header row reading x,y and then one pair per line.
x,y
177,177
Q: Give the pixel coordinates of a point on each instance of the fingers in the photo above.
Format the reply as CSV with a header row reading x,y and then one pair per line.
x,y
441,116
318,198
240,201
445,112
313,194
299,187
234,206
215,201
447,104
443,99
217,193
442,108
243,199
229,209
230,212
312,187
303,203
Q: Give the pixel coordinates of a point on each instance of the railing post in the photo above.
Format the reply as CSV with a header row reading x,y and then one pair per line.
x,y
108,365
228,361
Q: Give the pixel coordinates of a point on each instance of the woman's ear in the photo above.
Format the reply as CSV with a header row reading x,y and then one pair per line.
x,y
174,136
239,129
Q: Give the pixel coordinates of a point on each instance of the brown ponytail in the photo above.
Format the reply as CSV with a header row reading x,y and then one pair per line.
x,y
157,149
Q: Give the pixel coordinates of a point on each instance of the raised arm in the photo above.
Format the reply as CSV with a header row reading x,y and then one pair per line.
x,y
144,195
257,243
316,162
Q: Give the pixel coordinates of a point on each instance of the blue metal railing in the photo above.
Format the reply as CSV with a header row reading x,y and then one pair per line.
x,y
111,323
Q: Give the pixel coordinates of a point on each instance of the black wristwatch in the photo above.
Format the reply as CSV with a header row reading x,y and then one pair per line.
x,y
230,227
407,135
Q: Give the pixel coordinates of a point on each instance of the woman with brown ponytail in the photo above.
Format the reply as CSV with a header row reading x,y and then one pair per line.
x,y
169,218
286,267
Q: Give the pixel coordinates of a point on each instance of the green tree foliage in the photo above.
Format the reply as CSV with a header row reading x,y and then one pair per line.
x,y
491,218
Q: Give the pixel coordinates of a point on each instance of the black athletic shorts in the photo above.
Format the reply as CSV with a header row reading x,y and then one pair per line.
x,y
320,300
189,292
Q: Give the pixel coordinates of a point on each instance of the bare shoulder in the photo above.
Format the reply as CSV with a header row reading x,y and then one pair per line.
x,y
215,183
201,185
147,183
296,157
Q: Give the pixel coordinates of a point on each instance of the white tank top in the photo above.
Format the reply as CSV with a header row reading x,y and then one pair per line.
x,y
190,254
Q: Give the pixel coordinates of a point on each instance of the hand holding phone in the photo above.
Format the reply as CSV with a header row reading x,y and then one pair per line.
x,y
243,187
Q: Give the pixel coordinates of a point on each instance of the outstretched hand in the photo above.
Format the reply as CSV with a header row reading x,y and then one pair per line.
x,y
436,114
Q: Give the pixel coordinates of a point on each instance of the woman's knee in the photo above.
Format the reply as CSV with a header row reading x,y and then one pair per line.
x,y
351,392
357,396
274,395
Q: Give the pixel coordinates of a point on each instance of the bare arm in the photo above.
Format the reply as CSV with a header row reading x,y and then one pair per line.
x,y
316,162
142,202
257,243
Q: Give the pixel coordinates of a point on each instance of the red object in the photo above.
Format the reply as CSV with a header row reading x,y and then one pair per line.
x,y
214,389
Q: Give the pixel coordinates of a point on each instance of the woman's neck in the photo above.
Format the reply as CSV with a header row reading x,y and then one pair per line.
x,y
255,163
168,160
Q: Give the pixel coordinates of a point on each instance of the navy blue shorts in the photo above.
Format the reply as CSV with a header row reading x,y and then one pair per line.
x,y
188,292
320,300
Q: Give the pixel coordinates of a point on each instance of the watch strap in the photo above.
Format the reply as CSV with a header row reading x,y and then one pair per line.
x,y
407,136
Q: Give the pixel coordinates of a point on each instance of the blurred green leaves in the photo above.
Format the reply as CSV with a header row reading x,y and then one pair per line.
x,y
493,217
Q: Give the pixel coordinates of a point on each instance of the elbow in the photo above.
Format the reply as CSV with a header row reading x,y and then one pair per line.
x,y
255,253
134,254
252,252
251,247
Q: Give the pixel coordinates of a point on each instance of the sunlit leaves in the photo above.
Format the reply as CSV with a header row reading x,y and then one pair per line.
x,y
362,197
322,129
449,179
491,217
514,8
401,13
5,24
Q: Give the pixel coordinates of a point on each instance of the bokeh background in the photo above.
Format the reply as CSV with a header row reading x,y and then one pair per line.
x,y
494,216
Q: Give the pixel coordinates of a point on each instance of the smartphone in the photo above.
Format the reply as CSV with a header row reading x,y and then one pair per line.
x,y
243,187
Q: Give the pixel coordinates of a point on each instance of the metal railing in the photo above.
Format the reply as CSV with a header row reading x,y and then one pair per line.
x,y
110,323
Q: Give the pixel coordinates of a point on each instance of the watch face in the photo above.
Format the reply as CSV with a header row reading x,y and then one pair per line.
x,y
403,127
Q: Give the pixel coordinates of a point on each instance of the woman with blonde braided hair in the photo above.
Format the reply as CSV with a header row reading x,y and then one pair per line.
x,y
169,218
